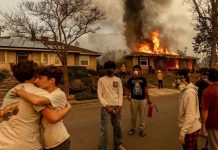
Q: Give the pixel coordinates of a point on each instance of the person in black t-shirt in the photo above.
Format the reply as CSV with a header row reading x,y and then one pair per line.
x,y
202,84
137,94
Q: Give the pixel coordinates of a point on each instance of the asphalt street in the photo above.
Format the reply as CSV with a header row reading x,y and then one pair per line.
x,y
161,130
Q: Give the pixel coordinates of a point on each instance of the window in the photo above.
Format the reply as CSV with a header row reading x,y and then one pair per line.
x,y
144,61
84,60
22,56
45,58
57,60
2,56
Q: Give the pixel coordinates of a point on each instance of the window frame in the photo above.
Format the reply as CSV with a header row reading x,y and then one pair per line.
x,y
143,59
80,60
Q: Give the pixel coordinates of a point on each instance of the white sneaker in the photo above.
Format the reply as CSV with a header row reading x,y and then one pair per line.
x,y
121,148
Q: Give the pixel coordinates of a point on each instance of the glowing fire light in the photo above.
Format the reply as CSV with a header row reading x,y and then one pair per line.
x,y
153,47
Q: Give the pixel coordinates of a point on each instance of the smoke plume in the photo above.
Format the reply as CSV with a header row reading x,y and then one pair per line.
x,y
141,17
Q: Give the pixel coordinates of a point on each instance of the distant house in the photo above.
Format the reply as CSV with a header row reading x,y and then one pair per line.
x,y
165,62
16,49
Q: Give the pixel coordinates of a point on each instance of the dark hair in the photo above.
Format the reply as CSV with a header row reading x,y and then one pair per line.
x,y
109,64
184,73
204,71
213,75
24,70
137,67
51,72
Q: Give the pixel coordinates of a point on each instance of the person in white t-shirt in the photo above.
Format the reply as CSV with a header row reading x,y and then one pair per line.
x,y
20,120
55,136
110,95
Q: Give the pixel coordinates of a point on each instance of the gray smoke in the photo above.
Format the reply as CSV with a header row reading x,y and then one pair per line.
x,y
141,17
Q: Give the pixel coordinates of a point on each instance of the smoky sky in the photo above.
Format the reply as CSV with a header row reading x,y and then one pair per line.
x,y
141,17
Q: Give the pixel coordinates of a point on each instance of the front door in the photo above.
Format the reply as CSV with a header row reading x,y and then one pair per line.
x,y
22,56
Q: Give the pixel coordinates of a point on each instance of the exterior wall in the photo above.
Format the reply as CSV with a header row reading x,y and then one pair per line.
x,y
10,57
36,57
129,64
70,60
92,63
76,60
45,58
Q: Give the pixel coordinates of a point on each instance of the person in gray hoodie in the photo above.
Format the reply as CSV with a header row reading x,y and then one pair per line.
x,y
188,117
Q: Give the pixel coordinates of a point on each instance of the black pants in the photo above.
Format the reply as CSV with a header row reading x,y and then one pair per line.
x,y
160,84
63,146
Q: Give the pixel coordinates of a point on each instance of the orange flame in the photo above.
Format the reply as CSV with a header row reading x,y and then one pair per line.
x,y
156,49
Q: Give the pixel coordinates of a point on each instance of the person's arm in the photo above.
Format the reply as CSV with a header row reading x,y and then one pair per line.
x,y
128,90
53,115
146,92
32,98
120,92
204,113
204,119
190,101
100,94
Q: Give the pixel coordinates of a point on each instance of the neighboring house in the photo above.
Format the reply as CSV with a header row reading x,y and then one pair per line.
x,y
165,62
16,49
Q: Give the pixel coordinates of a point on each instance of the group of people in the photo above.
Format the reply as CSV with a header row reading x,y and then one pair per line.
x,y
202,97
193,98
32,112
110,94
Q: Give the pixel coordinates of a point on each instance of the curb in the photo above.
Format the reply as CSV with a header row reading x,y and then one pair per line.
x,y
74,102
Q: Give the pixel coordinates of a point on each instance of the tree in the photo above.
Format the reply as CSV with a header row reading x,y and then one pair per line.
x,y
206,17
62,21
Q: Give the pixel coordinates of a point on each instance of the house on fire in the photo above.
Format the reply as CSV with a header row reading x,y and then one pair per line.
x,y
165,62
16,49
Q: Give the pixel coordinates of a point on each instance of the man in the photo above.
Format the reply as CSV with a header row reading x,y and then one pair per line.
x,y
202,83
110,94
20,120
160,79
138,96
188,117
210,110
55,136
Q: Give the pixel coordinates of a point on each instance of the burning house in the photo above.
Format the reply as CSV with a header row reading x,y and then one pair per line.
x,y
151,56
142,20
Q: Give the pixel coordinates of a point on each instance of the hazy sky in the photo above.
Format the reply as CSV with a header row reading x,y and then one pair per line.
x,y
114,24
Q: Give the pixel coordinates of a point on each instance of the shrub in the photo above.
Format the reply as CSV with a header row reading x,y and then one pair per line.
x,y
4,73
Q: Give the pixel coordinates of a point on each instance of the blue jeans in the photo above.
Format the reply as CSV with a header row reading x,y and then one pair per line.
x,y
117,132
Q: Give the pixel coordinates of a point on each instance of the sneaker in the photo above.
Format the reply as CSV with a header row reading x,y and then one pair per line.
x,y
121,148
131,132
142,133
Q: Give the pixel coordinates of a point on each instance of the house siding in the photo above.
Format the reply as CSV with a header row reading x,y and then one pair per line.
x,y
92,63
73,59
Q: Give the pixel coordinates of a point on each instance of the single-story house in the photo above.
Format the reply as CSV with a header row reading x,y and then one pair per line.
x,y
165,62
16,49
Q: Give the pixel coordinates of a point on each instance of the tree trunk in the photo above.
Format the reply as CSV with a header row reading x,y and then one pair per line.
x,y
214,34
65,79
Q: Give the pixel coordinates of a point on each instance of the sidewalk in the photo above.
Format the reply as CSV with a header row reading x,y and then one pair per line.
x,y
154,92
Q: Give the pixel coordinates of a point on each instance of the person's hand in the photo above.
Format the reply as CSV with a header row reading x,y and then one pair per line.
x,y
68,106
181,139
129,97
108,108
118,110
15,91
149,102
